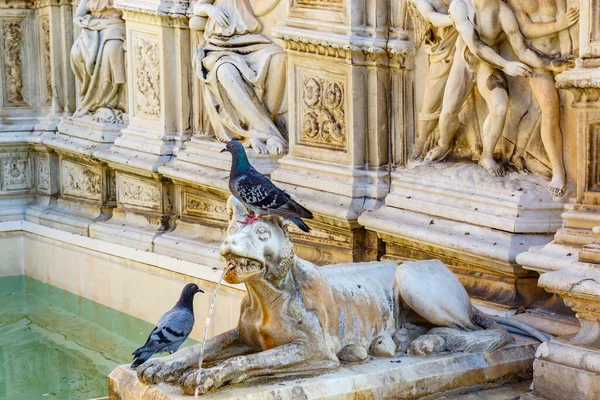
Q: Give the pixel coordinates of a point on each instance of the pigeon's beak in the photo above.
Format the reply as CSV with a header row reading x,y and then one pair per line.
x,y
224,150
200,291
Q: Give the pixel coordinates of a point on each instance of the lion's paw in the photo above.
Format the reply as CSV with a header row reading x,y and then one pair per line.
x,y
210,379
426,345
164,369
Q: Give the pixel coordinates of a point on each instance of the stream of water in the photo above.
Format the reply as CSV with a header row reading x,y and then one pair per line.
x,y
206,326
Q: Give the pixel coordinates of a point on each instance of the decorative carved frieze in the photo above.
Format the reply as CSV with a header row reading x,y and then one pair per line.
x,y
136,192
13,64
45,27
81,180
147,77
325,4
16,173
43,173
200,206
323,117
112,185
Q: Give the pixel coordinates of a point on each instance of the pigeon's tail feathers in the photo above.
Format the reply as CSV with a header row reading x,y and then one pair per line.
x,y
300,224
141,358
291,209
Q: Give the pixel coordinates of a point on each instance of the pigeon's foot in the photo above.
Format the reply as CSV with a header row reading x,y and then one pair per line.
x,y
258,146
275,145
557,186
250,219
492,167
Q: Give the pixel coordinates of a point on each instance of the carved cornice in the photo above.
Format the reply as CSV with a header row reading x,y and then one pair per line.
x,y
400,53
584,83
172,14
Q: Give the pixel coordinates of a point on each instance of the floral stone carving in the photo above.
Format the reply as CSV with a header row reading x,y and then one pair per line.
x,y
45,27
16,174
13,64
323,121
43,170
147,78
322,316
81,181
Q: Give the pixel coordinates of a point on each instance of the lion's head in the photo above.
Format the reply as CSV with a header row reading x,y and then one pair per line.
x,y
261,250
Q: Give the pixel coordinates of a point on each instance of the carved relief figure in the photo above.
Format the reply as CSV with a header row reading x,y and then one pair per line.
x,y
98,60
434,28
298,317
483,25
244,76
540,24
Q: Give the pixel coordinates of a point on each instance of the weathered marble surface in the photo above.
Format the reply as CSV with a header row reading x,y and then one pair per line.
x,y
403,376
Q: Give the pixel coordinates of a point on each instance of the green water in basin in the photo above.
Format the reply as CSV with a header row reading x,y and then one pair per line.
x,y
57,345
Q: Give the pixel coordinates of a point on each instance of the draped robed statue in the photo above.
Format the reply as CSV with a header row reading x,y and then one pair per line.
x,y
243,74
98,61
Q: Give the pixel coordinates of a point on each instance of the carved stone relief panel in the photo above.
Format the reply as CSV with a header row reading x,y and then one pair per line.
x,y
591,194
12,32
137,192
147,77
81,180
112,185
47,64
203,205
43,173
16,173
323,119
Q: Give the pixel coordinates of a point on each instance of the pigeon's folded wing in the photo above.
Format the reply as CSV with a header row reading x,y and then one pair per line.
x,y
259,192
173,327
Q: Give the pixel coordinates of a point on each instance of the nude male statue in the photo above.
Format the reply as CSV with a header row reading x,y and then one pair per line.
x,y
483,25
435,29
541,22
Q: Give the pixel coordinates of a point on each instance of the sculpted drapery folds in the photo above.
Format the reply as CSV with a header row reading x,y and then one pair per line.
x,y
433,30
243,76
98,60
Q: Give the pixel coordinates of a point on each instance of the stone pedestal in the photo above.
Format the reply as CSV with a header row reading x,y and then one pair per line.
x,y
568,368
401,377
475,223
158,90
338,124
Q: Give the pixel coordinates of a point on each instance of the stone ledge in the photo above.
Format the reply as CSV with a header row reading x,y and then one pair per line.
x,y
404,376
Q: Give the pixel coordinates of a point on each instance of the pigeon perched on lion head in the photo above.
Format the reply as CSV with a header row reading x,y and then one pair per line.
x,y
258,193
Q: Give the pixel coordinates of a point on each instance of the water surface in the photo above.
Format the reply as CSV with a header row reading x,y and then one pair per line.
x,y
57,345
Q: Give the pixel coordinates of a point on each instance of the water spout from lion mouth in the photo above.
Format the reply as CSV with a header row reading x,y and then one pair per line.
x,y
244,265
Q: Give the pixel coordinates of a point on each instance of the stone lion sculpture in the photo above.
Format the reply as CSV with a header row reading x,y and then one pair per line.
x,y
298,317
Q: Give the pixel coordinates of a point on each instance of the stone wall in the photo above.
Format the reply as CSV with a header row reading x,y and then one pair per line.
x,y
113,113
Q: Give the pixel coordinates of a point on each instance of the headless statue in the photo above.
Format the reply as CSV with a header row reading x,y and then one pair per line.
x,y
244,76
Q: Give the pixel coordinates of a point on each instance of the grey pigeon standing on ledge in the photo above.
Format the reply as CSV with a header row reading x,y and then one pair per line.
x,y
172,328
258,193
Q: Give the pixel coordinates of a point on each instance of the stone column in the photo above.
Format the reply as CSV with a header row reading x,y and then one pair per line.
x,y
338,90
567,368
25,95
159,108
454,210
